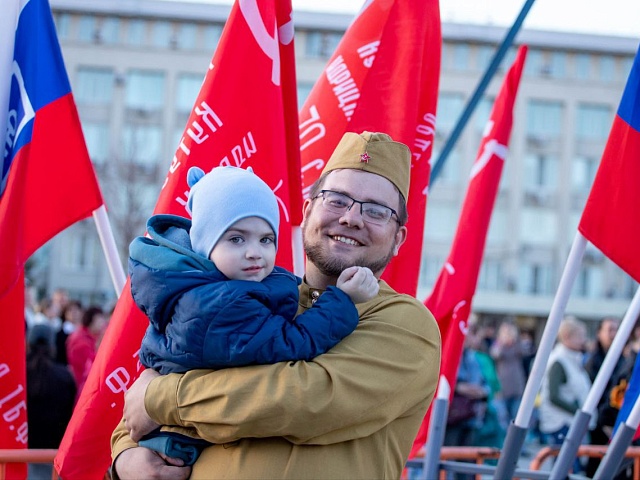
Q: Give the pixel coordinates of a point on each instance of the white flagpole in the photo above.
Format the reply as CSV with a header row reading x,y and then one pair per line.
x,y
518,429
298,251
105,233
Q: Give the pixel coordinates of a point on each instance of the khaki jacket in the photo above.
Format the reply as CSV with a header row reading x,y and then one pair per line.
x,y
350,413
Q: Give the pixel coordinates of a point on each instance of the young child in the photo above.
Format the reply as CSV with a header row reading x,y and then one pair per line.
x,y
214,297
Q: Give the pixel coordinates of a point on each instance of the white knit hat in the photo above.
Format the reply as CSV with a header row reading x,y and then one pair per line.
x,y
223,196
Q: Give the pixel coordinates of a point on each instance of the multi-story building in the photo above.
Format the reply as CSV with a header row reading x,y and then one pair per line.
x,y
136,67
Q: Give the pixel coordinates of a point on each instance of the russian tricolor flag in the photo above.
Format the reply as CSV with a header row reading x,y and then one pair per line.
x,y
610,219
47,182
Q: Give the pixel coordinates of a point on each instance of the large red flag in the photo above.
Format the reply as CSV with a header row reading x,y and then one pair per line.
x,y
47,181
383,77
609,217
245,116
450,300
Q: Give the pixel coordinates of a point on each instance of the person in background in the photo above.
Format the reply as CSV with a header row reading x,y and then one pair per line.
x,y
51,393
566,384
507,353
350,413
82,344
71,320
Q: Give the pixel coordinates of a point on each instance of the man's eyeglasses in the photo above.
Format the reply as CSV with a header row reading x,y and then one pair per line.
x,y
371,212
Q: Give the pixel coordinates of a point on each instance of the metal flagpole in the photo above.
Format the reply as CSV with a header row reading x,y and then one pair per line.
x,y
580,424
109,247
437,427
517,430
480,89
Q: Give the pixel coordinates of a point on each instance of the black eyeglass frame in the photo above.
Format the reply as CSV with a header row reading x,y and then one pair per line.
x,y
353,202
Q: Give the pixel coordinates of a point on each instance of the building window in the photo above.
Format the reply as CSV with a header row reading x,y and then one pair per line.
x,y
304,89
533,67
544,119
538,226
606,69
593,122
589,281
188,87
110,31
491,275
96,136
161,35
460,57
558,64
536,279
136,32
211,36
94,86
583,66
186,36
441,221
144,90
627,62
583,172
63,24
449,108
484,56
142,145
482,113
82,254
321,44
541,171
87,28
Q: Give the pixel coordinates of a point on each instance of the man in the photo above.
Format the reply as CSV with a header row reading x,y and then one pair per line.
x,y
350,413
607,329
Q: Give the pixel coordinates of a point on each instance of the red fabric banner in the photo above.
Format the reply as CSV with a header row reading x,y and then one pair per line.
x,y
450,300
47,183
608,219
244,116
383,77
13,407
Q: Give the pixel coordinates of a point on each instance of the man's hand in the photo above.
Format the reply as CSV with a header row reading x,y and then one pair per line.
x,y
359,283
140,462
136,419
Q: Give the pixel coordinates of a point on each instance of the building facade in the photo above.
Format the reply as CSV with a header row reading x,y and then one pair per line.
x,y
136,67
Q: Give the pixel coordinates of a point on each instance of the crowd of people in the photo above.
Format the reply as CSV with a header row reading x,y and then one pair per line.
x,y
496,363
62,338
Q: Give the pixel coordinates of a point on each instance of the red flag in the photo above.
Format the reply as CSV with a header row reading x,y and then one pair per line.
x,y
608,220
383,77
242,117
47,181
450,300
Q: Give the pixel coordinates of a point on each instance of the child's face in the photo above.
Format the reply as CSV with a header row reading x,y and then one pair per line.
x,y
246,251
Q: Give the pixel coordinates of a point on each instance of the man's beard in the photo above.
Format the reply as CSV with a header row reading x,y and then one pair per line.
x,y
333,267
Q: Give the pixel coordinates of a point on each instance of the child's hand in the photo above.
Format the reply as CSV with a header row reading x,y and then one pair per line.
x,y
359,283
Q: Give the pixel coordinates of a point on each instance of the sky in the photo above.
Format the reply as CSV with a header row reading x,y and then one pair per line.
x,y
610,17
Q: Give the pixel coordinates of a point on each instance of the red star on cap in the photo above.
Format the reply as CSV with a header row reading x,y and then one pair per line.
x,y
365,157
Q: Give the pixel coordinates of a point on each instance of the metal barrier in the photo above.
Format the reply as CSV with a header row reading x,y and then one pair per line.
x,y
596,451
30,456
26,456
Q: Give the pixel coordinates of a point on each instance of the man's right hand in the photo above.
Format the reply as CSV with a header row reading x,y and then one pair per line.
x,y
139,462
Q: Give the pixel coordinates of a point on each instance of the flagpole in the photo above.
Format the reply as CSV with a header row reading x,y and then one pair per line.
x,y
437,428
517,430
298,251
618,446
108,243
480,89
580,424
